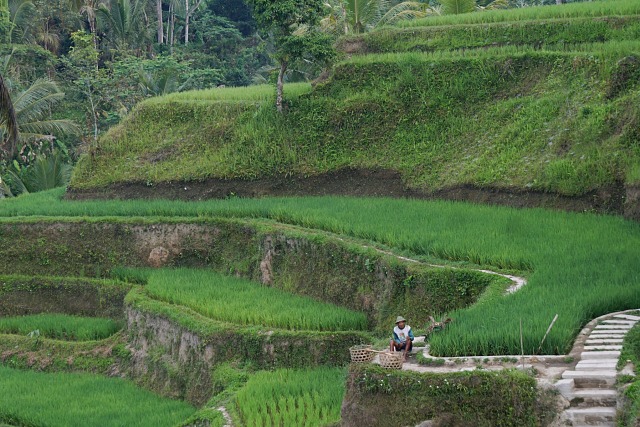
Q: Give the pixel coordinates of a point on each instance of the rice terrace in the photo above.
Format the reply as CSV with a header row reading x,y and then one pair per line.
x,y
235,248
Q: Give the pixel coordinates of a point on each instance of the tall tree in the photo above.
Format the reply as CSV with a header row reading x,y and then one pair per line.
x,y
291,24
189,10
160,21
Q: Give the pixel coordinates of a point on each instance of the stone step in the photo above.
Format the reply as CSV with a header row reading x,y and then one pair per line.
x,y
602,347
601,378
596,364
590,397
613,327
619,322
598,355
628,317
604,341
608,333
599,416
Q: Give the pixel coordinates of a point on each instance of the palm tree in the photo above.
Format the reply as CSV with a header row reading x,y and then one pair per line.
x,y
22,13
123,19
33,107
358,16
46,172
454,7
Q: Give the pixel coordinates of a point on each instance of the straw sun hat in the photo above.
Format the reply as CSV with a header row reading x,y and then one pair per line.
x,y
400,319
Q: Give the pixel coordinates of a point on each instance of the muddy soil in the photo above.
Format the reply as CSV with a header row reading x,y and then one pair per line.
x,y
368,182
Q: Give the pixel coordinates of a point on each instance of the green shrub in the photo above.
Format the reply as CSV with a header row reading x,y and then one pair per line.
x,y
380,397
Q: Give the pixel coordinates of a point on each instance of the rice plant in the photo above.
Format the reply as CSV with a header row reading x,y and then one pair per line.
x,y
288,397
257,93
569,10
582,265
61,399
60,326
241,301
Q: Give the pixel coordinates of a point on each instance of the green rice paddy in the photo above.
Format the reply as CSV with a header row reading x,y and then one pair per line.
x,y
241,301
30,398
288,397
579,266
60,326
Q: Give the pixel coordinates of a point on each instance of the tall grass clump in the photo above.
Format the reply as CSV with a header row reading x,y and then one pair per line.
x,y
60,399
257,93
241,301
288,397
61,326
570,10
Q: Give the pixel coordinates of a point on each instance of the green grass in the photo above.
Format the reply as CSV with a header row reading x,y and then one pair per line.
x,y
570,10
582,265
240,301
60,326
291,398
584,34
559,122
32,398
257,93
631,352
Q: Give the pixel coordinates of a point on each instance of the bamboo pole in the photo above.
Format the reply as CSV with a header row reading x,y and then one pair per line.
x,y
547,333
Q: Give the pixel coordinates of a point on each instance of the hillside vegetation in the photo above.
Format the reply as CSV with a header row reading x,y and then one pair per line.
x,y
528,104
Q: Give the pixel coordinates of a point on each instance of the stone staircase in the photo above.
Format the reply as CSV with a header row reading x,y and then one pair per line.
x,y
590,387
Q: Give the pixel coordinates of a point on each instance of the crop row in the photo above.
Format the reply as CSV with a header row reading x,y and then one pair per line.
x,y
291,398
570,10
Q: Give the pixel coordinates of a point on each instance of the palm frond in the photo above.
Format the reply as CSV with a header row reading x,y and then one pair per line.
x,y
18,185
43,129
404,11
21,14
494,5
36,101
46,172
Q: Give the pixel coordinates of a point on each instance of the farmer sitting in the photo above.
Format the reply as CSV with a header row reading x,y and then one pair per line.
x,y
402,337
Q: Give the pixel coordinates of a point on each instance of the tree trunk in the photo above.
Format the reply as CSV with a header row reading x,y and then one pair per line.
x,y
160,22
280,85
559,1
187,15
172,29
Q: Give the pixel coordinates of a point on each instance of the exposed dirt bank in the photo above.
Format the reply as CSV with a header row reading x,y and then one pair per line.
x,y
614,199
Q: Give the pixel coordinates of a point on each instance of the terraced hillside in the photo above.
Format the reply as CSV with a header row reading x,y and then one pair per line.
x,y
243,309
526,111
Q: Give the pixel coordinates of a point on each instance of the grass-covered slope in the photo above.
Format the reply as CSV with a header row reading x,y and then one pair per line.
x,y
531,102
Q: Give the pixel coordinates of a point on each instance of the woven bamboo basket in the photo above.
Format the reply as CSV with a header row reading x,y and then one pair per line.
x,y
361,354
392,360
